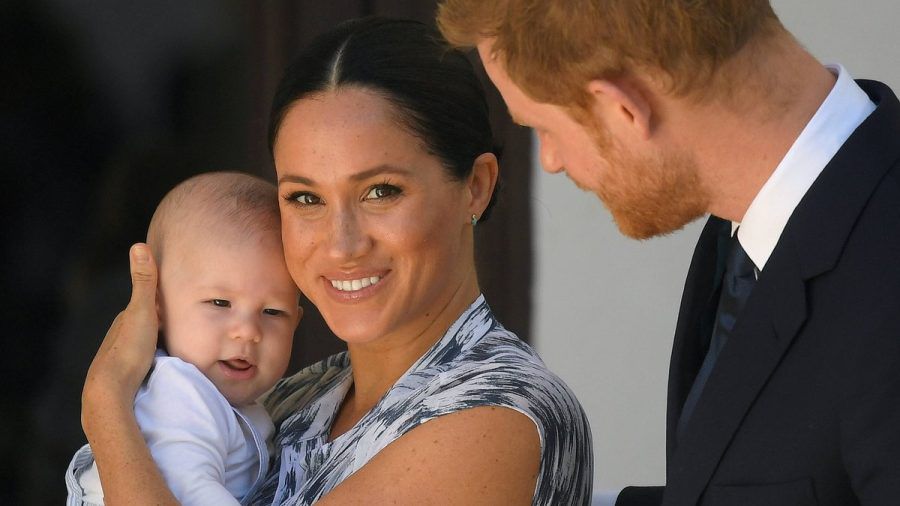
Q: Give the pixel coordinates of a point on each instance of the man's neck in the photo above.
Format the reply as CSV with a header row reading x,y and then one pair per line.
x,y
738,141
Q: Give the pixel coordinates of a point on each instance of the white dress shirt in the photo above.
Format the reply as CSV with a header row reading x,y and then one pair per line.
x,y
843,110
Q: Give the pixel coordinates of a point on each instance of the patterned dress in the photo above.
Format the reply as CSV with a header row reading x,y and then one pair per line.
x,y
476,363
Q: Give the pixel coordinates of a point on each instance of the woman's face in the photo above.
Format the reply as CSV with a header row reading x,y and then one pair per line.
x,y
375,230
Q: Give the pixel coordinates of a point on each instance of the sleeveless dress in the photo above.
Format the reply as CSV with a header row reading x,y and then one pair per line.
x,y
476,363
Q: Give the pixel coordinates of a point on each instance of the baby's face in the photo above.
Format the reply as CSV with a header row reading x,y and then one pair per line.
x,y
230,308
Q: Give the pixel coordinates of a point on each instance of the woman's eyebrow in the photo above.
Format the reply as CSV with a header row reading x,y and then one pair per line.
x,y
291,178
359,176
378,170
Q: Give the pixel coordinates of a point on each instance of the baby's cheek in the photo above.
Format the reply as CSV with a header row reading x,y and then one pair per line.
x,y
280,354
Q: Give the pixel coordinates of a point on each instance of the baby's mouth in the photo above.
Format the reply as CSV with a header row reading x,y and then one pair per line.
x,y
237,364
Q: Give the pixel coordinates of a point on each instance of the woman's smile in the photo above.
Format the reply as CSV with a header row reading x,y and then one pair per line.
x,y
355,288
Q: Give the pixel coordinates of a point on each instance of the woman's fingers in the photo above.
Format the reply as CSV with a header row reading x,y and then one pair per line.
x,y
141,315
143,281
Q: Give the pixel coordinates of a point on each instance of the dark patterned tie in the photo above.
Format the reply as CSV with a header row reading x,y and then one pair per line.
x,y
738,281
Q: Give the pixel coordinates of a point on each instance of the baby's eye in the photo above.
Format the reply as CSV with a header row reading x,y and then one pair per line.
x,y
273,312
382,191
220,303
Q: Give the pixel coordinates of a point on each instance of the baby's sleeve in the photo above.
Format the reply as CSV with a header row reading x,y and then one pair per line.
x,y
190,429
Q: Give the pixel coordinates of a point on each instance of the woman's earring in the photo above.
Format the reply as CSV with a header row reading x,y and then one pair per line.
x,y
474,220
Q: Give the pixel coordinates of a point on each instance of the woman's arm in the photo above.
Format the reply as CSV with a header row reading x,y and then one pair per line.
x,y
485,455
127,471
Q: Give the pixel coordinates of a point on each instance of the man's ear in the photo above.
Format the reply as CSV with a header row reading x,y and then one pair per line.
x,y
622,104
481,182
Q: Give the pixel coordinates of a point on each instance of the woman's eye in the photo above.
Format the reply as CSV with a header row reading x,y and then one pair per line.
x,y
382,191
220,303
305,198
273,312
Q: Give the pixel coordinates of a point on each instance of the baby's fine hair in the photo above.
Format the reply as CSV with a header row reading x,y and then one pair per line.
x,y
217,203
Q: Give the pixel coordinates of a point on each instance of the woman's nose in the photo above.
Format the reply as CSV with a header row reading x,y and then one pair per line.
x,y
347,238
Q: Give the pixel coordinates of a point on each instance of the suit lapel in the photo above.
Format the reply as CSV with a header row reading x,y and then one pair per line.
x,y
810,245
774,312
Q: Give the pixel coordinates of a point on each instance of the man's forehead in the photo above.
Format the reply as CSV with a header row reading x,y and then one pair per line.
x,y
512,94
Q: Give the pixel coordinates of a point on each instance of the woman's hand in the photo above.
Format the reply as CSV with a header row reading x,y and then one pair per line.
x,y
126,353
127,470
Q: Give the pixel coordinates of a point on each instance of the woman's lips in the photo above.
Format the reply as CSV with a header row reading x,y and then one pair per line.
x,y
237,368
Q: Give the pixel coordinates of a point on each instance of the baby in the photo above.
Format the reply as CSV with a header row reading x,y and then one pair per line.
x,y
228,310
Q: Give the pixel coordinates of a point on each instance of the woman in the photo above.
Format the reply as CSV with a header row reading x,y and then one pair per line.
x,y
383,156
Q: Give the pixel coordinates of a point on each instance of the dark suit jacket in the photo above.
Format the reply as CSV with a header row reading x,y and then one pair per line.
x,y
803,406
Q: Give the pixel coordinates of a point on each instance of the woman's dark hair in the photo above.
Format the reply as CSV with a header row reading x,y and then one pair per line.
x,y
434,87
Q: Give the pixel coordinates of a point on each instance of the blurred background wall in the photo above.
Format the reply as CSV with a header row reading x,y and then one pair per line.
x,y
605,306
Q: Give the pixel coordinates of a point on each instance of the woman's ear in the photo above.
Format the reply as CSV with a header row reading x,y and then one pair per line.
x,y
621,105
481,183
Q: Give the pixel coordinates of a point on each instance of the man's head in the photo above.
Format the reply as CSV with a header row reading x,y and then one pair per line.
x,y
226,301
553,48
591,77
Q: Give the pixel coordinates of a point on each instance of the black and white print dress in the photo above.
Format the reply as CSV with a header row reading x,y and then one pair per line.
x,y
476,363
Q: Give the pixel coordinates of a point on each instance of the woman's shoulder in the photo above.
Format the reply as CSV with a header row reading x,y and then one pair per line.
x,y
506,361
501,370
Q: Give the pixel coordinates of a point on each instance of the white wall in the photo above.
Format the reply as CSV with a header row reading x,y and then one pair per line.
x,y
605,307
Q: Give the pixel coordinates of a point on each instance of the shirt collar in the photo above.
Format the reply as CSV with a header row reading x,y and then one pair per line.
x,y
843,110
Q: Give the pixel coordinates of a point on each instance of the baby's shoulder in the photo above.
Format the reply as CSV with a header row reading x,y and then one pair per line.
x,y
173,372
178,390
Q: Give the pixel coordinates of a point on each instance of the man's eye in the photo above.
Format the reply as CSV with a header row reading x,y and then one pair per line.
x,y
382,191
220,303
273,312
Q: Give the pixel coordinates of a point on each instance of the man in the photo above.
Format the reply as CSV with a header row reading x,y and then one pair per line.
x,y
784,384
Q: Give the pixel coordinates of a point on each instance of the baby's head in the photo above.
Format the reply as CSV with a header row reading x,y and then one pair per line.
x,y
226,301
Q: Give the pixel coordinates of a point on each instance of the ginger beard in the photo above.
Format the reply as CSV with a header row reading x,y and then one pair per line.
x,y
647,194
